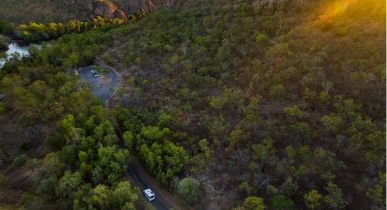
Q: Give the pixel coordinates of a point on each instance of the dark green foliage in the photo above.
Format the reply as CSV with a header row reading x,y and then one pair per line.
x,y
4,42
19,160
164,161
282,97
34,31
37,31
280,202
313,199
190,190
253,203
120,196
284,105
6,28
82,149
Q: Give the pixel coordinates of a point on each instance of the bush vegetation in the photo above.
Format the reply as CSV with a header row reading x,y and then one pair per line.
x,y
273,108
34,31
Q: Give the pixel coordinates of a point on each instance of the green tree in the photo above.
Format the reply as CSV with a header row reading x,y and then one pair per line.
x,y
376,194
334,199
101,197
166,120
128,139
124,196
252,110
277,90
154,133
281,202
68,184
313,199
111,163
261,38
4,42
164,160
294,111
333,122
254,203
263,153
189,189
218,102
105,133
72,60
19,160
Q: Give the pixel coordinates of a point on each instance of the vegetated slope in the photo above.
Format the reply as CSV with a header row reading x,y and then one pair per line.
x,y
4,42
230,104
290,102
63,10
57,10
43,11
58,146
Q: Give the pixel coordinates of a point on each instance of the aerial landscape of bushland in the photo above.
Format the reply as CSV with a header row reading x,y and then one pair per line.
x,y
226,104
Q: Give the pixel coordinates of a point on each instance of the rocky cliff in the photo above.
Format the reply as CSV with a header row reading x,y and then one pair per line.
x,y
133,6
93,8
123,8
116,8
19,11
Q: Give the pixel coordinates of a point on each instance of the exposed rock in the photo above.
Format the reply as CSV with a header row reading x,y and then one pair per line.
x,y
117,8
133,6
119,14
108,9
104,8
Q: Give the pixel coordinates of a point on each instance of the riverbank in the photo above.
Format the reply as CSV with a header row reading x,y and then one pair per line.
x,y
4,42
15,49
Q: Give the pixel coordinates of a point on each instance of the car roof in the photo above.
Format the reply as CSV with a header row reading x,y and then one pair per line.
x,y
149,192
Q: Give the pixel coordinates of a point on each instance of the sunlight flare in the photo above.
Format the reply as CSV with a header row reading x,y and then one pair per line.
x,y
335,9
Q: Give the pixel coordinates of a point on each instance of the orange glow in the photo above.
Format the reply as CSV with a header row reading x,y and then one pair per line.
x,y
359,10
337,8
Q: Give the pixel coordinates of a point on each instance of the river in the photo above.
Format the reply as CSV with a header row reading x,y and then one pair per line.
x,y
14,48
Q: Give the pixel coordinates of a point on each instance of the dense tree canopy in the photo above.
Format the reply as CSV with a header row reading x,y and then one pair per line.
x,y
232,104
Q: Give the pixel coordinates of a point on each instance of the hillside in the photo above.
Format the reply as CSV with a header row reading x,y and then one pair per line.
x,y
42,11
239,105
19,11
286,108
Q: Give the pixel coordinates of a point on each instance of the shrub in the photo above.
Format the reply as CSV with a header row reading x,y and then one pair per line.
x,y
19,160
189,189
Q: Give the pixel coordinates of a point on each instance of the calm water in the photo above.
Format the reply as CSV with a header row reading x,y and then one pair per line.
x,y
13,49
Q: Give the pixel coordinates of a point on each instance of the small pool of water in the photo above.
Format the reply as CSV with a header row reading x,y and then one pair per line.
x,y
14,48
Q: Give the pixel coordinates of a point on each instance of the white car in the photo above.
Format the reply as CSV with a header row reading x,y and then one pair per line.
x,y
149,194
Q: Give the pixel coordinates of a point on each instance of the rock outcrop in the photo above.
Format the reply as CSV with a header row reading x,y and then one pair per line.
x,y
133,6
117,8
107,9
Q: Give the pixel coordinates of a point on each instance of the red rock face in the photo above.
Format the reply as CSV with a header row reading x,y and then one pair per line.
x,y
117,8
104,8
